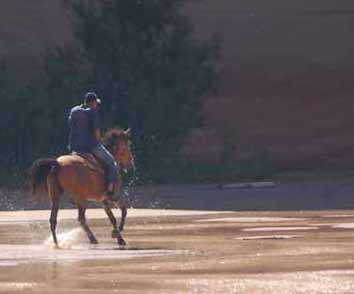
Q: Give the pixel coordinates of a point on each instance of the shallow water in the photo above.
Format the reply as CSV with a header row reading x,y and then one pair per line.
x,y
180,252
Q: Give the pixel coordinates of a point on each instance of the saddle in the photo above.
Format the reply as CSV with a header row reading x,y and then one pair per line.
x,y
92,162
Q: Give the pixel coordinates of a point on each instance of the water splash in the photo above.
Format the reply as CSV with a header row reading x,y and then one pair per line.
x,y
68,239
130,179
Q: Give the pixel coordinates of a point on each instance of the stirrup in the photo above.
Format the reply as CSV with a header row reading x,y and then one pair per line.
x,y
110,195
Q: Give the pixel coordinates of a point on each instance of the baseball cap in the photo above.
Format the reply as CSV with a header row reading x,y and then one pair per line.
x,y
91,96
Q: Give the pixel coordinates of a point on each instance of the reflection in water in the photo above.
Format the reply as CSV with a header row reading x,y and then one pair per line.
x,y
13,286
318,282
54,271
26,254
181,252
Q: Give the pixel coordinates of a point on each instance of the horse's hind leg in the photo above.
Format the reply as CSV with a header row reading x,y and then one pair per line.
x,y
53,220
54,192
116,233
82,221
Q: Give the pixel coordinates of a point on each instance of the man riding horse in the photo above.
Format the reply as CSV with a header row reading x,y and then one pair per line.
x,y
79,176
85,137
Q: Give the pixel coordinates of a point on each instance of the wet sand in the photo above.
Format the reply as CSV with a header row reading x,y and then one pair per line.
x,y
172,251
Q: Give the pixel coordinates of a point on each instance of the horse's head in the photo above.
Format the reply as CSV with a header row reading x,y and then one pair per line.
x,y
118,143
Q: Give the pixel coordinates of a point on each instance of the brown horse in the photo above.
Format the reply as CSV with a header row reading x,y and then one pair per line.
x,y
84,181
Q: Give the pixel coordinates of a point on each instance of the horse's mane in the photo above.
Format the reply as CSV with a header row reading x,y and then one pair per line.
x,y
112,136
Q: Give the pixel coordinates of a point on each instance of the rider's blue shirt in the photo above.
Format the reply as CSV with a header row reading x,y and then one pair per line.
x,y
82,123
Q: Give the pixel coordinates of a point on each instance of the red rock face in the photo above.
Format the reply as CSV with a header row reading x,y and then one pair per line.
x,y
288,71
29,27
287,80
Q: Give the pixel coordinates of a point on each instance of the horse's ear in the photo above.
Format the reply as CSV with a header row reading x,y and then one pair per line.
x,y
128,132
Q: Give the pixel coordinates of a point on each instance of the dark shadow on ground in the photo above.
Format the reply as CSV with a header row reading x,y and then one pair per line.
x,y
287,195
304,195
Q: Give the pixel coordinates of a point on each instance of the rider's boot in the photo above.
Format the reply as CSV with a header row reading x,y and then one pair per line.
x,y
112,191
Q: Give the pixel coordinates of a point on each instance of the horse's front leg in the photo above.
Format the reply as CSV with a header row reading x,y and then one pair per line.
x,y
116,232
82,221
123,210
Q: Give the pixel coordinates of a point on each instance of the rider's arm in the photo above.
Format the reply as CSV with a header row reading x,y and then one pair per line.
x,y
96,125
98,134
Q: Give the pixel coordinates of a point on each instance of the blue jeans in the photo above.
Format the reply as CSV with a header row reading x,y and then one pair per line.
x,y
108,161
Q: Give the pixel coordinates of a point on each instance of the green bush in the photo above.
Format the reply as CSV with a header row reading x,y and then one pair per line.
x,y
180,171
140,55
150,69
33,114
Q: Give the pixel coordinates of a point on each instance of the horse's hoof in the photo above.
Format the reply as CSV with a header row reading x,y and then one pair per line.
x,y
121,242
115,234
93,241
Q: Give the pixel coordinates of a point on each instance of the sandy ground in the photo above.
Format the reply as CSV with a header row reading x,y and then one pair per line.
x,y
178,251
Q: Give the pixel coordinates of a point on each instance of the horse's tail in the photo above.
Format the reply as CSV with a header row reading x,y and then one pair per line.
x,y
39,172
